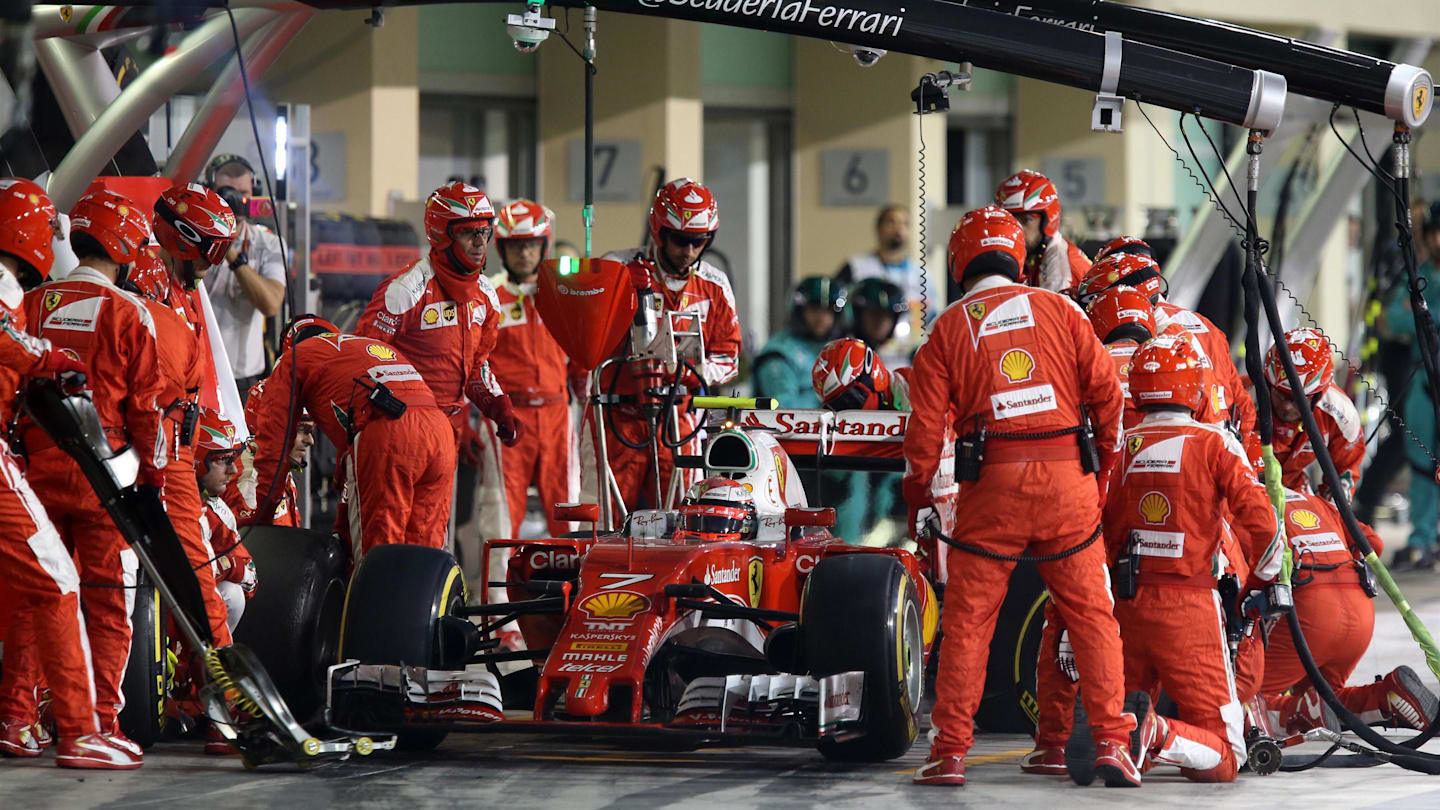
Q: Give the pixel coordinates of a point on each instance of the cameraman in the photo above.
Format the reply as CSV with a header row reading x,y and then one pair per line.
x,y
250,284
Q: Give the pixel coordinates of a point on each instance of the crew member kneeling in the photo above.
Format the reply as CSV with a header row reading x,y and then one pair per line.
x,y
1179,480
1014,367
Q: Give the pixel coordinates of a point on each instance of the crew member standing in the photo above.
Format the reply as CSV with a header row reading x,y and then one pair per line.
x,y
373,405
1053,262
442,311
683,221
532,369
109,330
34,565
1180,481
1018,369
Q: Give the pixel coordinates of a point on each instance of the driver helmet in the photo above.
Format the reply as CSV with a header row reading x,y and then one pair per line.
x,y
717,510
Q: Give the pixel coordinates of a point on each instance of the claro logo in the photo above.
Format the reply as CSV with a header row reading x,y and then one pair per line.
x,y
569,291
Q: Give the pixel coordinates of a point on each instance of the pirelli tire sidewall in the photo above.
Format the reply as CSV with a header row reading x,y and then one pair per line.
x,y
143,717
292,624
859,612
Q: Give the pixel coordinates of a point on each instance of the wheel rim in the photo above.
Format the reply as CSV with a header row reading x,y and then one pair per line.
x,y
912,653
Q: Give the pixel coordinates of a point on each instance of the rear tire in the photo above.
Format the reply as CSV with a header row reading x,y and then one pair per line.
x,y
392,615
143,717
860,612
293,622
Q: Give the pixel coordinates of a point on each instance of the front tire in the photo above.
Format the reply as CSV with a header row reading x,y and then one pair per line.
x,y
860,612
143,717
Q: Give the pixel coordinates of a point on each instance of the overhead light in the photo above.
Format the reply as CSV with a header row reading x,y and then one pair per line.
x,y
282,145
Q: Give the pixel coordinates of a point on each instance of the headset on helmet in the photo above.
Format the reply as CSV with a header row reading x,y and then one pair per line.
x,y
221,161
1169,371
848,375
1027,192
192,223
1310,352
684,206
1121,313
717,510
1125,244
454,204
987,241
28,226
113,221
1123,270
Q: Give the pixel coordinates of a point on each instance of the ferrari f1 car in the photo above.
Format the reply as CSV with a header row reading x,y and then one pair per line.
x,y
790,637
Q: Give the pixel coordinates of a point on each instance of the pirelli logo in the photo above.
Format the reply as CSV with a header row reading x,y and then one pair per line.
x,y
598,646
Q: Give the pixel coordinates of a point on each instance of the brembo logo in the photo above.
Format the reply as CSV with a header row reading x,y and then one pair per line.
x,y
803,12
569,291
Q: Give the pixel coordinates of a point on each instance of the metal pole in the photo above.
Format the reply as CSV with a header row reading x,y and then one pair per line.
x,y
146,95
589,211
218,109
81,80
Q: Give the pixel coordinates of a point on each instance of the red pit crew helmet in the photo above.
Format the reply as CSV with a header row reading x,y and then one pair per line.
x,y
114,221
1120,313
1125,244
987,240
215,438
1028,192
150,276
1168,371
1123,270
303,327
456,204
28,225
1310,351
192,223
684,206
717,510
848,375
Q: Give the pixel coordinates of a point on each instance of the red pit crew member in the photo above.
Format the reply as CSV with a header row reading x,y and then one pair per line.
x,y
442,311
1122,319
683,222
1335,414
532,368
217,452
1338,619
372,404
1178,480
1128,264
181,364
36,571
1053,262
849,375
1017,365
109,330
239,495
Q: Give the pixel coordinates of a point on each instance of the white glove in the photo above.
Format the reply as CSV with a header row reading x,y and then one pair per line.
x,y
1065,657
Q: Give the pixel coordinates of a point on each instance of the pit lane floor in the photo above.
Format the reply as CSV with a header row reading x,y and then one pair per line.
x,y
518,772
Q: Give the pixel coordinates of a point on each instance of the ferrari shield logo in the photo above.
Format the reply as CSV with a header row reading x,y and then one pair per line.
x,y
976,310
756,579
65,12
1134,443
1422,96
52,300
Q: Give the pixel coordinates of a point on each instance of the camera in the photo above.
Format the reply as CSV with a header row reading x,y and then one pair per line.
x,y
530,29
864,56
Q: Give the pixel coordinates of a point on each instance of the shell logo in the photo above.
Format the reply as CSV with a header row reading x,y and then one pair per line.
x,y
380,351
431,316
976,310
1134,444
181,208
614,605
1305,519
1154,507
1017,365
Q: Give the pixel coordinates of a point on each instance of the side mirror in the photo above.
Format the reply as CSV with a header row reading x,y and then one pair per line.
x,y
590,512
817,516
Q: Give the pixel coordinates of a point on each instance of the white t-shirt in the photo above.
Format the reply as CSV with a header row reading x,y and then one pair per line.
x,y
241,324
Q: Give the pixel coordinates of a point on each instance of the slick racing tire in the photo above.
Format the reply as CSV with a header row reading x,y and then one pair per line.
x,y
292,624
860,612
1009,705
143,717
393,609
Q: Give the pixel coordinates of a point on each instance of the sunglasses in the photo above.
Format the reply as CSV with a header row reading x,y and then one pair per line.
x,y
681,240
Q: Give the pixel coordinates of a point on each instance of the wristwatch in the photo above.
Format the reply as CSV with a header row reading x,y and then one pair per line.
x,y
239,260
